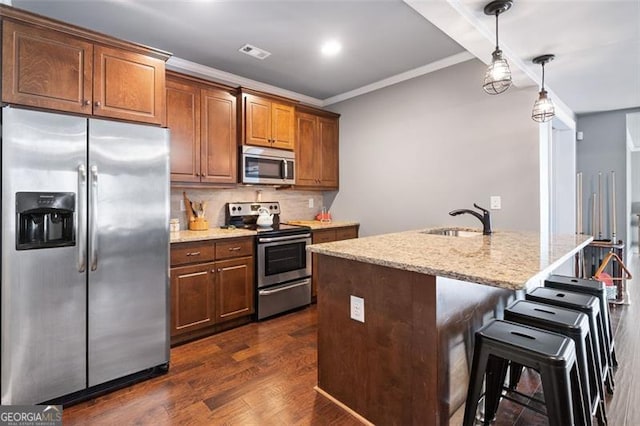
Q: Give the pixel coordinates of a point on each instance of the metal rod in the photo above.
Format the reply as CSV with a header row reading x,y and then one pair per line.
x,y
579,229
600,205
594,215
614,229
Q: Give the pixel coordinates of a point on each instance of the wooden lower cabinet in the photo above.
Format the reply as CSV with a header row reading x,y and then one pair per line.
x,y
234,288
212,287
192,290
326,236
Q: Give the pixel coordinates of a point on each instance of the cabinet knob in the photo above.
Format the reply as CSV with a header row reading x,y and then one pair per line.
x,y
98,104
197,174
87,102
219,270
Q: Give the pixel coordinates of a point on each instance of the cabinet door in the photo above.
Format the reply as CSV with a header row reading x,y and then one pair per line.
x,y
219,143
328,137
183,119
306,142
257,115
192,303
128,85
46,69
282,126
235,288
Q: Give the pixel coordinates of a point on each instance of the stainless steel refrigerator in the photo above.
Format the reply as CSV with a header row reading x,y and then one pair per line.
x,y
85,243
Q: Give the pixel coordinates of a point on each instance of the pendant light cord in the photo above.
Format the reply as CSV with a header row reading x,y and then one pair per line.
x,y
543,76
497,13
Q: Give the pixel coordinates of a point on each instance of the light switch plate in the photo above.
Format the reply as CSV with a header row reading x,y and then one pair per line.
x,y
310,203
496,202
357,308
182,207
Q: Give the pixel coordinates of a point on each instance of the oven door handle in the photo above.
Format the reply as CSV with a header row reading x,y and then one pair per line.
x,y
278,290
286,238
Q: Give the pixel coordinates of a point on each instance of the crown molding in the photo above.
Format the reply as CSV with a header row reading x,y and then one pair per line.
x,y
398,78
219,76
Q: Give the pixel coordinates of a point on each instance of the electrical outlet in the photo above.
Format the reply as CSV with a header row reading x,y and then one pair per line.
x,y
182,207
357,308
310,203
496,202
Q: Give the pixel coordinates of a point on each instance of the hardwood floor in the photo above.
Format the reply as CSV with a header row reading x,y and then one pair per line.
x,y
264,374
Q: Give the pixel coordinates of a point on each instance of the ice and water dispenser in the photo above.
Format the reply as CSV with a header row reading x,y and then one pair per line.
x,y
44,220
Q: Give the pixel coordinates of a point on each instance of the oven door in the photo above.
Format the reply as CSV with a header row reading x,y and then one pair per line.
x,y
283,259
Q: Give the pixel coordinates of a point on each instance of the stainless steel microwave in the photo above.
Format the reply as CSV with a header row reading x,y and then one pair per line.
x,y
267,166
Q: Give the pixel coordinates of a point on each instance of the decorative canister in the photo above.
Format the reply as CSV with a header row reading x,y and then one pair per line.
x,y
174,225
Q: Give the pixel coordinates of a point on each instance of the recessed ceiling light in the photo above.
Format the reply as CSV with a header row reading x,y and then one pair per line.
x,y
254,51
331,48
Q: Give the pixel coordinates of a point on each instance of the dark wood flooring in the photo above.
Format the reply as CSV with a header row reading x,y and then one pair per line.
x,y
264,374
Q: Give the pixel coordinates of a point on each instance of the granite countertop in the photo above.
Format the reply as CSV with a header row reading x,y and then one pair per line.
x,y
506,259
209,234
316,224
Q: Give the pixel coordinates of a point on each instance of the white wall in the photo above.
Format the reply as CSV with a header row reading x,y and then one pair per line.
x,y
411,152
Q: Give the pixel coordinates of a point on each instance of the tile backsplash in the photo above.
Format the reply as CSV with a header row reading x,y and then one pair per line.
x,y
293,204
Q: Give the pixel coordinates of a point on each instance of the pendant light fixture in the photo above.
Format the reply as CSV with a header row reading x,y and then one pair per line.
x,y
543,109
497,79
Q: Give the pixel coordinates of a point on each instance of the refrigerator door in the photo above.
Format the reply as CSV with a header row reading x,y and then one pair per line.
x,y
128,174
43,290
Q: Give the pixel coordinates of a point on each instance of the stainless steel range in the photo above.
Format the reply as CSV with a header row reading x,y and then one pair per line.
x,y
283,266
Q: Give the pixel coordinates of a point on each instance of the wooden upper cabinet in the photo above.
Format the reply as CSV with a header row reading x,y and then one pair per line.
x,y
183,118
282,126
128,85
268,123
53,65
306,145
202,118
218,137
46,69
257,121
328,137
317,150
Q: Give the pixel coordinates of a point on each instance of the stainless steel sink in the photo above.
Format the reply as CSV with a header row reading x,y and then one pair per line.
x,y
453,232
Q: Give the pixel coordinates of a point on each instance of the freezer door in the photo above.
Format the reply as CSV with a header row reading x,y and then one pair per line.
x,y
128,249
43,291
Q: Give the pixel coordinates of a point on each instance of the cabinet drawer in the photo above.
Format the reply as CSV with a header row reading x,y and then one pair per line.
x,y
346,233
324,236
192,252
234,248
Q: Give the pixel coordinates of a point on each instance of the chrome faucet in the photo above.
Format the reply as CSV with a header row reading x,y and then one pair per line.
x,y
485,217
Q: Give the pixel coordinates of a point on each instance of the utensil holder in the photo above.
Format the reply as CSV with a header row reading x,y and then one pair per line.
x,y
199,224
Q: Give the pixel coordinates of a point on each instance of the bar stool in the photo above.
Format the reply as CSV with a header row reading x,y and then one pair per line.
x,y
594,288
551,354
590,306
574,325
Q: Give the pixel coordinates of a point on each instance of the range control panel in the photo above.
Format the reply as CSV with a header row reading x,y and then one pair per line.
x,y
251,209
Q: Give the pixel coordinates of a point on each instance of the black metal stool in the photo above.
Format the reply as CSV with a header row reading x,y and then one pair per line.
x,y
594,288
590,306
551,354
572,324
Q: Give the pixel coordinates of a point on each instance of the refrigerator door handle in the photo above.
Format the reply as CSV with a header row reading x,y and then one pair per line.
x,y
82,214
93,225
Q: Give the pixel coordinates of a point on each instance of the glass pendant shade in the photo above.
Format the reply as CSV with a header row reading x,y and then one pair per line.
x,y
497,79
543,109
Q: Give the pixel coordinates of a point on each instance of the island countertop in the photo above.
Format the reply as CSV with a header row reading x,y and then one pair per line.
x,y
505,259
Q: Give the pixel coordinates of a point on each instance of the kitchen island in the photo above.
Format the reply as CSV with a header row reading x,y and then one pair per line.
x,y
424,296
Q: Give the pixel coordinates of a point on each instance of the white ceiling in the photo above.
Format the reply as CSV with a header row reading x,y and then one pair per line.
x,y
596,42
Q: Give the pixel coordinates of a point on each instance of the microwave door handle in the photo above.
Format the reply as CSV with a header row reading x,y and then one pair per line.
x,y
285,169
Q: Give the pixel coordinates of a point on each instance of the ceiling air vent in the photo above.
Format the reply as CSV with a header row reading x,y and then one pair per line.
x,y
256,52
